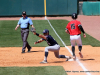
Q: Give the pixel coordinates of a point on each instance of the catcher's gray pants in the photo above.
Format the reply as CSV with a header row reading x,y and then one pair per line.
x,y
24,35
54,48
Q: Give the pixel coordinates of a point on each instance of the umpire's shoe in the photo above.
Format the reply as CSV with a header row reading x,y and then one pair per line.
x,y
23,51
29,50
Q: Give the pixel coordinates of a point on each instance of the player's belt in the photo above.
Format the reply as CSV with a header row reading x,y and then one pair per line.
x,y
78,34
73,35
24,28
55,44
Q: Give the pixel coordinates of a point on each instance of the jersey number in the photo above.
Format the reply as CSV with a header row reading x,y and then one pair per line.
x,y
72,26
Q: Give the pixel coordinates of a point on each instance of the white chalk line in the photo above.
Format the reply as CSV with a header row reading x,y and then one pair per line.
x,y
83,67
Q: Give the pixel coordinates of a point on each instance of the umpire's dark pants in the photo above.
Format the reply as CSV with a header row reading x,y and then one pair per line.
x,y
24,35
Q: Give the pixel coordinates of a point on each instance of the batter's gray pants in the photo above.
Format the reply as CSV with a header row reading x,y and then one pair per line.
x,y
54,48
24,35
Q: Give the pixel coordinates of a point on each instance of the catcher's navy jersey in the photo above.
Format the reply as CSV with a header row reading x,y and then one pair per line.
x,y
50,40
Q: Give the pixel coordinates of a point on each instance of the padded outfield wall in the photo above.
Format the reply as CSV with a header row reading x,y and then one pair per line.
x,y
37,7
91,8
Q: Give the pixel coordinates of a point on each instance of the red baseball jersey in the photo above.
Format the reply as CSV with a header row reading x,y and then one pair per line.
x,y
73,28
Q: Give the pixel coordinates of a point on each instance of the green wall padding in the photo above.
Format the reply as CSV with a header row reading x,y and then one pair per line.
x,y
56,7
33,7
61,7
15,7
36,7
91,8
10,7
72,6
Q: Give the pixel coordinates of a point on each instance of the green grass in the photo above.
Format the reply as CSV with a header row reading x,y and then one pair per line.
x,y
11,38
8,36
46,70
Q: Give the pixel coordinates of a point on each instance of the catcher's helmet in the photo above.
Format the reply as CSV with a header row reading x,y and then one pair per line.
x,y
74,16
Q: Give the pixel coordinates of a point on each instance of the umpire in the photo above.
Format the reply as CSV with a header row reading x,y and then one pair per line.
x,y
24,23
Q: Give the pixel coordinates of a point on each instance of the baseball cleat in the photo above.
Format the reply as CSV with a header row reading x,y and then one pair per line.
x,y
23,52
43,62
80,54
29,50
68,58
74,58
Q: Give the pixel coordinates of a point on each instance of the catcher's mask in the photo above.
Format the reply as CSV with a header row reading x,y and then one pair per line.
x,y
45,31
74,16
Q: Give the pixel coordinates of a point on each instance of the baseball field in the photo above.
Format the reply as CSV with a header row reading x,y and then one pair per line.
x,y
13,62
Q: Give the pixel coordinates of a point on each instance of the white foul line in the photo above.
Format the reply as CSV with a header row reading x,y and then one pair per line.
x,y
68,48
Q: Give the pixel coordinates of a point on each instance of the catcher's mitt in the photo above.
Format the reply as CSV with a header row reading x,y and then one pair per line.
x,y
33,30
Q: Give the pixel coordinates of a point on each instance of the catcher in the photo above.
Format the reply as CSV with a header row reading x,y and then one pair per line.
x,y
53,45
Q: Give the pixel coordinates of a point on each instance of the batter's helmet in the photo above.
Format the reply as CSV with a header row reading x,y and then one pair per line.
x,y
74,16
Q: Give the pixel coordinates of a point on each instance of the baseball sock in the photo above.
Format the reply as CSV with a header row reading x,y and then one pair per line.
x,y
63,56
73,50
46,54
80,48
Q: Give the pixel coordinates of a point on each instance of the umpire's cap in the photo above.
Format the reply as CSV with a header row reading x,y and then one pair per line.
x,y
24,12
74,16
46,31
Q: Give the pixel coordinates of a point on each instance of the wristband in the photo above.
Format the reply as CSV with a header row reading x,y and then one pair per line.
x,y
37,34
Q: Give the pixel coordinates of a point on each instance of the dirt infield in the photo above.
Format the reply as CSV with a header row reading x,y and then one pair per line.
x,y
12,56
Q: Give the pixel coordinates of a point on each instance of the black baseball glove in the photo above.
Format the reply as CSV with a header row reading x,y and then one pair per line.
x,y
33,30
